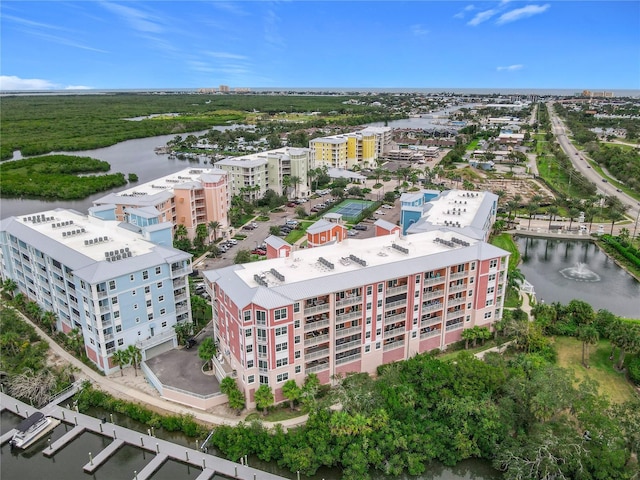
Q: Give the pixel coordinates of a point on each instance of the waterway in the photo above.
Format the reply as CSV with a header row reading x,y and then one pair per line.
x,y
563,270
67,464
132,156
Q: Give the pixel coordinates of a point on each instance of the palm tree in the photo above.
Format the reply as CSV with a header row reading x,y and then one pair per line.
x,y
120,358
50,320
34,311
263,398
588,335
291,392
213,226
552,211
181,232
295,181
9,286
573,212
532,208
135,356
286,183
512,206
207,350
468,334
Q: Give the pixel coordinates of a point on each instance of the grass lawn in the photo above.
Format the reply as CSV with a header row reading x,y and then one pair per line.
x,y
450,356
295,235
613,384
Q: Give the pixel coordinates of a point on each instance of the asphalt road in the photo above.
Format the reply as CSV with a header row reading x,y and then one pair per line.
x,y
581,165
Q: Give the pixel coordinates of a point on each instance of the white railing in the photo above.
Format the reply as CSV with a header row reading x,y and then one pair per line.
x,y
432,307
395,318
317,368
396,290
156,339
392,345
394,331
398,303
316,308
456,314
433,294
433,281
316,340
316,325
457,275
348,301
350,358
430,321
348,316
346,346
343,332
454,326
457,288
455,301
430,334
324,352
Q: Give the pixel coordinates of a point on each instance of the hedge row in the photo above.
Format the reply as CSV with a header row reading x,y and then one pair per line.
x,y
628,252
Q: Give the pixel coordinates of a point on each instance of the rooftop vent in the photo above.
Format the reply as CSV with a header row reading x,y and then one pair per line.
x,y
277,274
358,260
400,248
260,280
326,263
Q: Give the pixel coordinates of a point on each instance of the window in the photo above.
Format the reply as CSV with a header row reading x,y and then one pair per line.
x,y
251,378
264,380
418,278
148,303
249,348
490,290
147,289
249,363
163,311
89,328
281,362
416,294
369,290
118,328
487,315
248,332
377,345
135,306
296,354
473,265
163,324
298,369
132,277
133,293
280,314
281,331
489,302
261,317
91,341
368,320
150,317
116,314
112,284
138,320
159,285
282,377
158,270
114,300
296,307
368,335
493,263
120,342
367,348
145,275
296,339
492,277
296,324
379,318
281,346
380,288
379,332
369,306
262,334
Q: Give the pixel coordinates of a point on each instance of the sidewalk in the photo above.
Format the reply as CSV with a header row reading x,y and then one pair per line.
x,y
136,389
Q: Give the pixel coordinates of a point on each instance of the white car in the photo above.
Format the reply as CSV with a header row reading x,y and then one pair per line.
x,y
387,206
380,212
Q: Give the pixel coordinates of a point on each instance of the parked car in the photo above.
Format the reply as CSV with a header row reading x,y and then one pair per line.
x,y
191,342
352,232
233,241
360,227
292,223
292,204
258,251
249,227
387,206
380,212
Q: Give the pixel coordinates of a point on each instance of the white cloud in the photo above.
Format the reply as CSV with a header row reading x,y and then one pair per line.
x,y
418,30
271,29
466,9
482,17
229,7
520,13
136,18
232,56
11,82
510,68
78,87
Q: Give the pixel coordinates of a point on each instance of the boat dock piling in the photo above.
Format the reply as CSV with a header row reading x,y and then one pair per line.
x,y
162,449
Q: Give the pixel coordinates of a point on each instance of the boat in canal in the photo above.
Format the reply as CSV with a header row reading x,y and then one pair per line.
x,y
32,429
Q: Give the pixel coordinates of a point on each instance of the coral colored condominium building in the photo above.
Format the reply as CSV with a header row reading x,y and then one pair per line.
x,y
352,305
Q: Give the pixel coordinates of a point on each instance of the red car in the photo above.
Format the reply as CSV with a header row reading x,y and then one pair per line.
x,y
292,204
259,251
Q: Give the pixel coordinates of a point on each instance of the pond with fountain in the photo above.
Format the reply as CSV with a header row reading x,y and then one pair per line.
x,y
562,270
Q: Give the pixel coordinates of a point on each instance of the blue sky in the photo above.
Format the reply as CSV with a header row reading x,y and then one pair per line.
x,y
380,44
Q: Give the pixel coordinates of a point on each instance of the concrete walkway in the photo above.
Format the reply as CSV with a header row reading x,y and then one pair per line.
x,y
130,393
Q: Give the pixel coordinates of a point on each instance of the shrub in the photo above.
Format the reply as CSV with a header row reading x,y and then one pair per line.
x,y
633,368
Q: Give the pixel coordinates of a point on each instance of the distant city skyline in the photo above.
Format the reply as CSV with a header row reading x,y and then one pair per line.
x,y
79,45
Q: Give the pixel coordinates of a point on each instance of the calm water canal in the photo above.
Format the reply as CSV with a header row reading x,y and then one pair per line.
x,y
563,270
68,463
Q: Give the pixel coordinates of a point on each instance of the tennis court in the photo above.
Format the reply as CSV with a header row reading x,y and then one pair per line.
x,y
351,209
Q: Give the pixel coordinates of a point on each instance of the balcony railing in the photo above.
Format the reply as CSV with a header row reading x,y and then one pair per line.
x,y
156,339
398,303
350,358
433,294
394,331
432,333
431,308
395,318
343,317
452,302
349,301
456,314
316,325
324,352
457,275
454,326
180,298
392,346
346,346
317,368
433,281
317,308
343,332
179,272
316,340
102,294
431,321
457,288
396,290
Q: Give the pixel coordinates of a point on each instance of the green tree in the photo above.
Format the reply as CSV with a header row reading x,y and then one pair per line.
x,y
207,350
467,335
242,256
34,311
120,358
9,286
263,398
201,235
213,227
184,330
588,335
295,181
135,356
75,342
291,392
50,320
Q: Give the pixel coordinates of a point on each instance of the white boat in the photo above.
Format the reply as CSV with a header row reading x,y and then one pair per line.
x,y
31,429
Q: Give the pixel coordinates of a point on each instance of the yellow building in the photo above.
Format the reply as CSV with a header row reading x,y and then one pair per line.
x,y
351,149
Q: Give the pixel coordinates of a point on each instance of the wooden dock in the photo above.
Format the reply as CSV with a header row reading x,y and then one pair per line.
x,y
163,450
